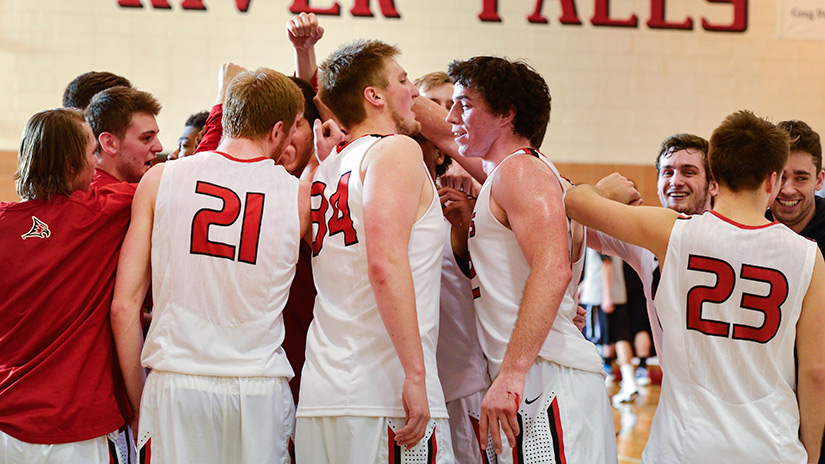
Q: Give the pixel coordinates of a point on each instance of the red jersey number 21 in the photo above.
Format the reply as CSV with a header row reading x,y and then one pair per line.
x,y
253,208
340,220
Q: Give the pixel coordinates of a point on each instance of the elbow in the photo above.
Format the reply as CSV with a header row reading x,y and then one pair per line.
x,y
814,376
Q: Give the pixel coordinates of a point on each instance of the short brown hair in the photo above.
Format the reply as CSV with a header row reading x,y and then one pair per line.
x,y
52,151
111,110
80,91
257,100
745,150
431,80
679,142
345,74
803,138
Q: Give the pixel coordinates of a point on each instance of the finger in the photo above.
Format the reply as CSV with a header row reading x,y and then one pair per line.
x,y
495,432
514,429
317,129
482,430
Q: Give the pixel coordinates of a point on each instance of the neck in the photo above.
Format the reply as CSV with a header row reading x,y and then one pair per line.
x,y
504,146
107,165
745,207
379,124
242,148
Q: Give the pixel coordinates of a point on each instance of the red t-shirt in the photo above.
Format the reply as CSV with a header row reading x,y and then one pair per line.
x,y
57,354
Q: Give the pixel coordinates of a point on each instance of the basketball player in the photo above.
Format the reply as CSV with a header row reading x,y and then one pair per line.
x,y
218,388
370,370
737,294
60,392
527,260
685,186
124,122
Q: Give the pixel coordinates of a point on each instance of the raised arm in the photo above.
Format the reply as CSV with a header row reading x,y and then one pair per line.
x,y
304,32
213,130
645,226
131,284
536,217
435,128
393,165
810,331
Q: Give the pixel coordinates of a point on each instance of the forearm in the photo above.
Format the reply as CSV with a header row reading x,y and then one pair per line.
x,y
537,313
305,65
811,397
128,335
392,285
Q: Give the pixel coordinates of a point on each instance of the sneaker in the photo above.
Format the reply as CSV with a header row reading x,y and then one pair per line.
x,y
625,396
642,379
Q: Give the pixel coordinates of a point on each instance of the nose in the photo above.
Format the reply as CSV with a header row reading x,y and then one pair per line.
x,y
413,90
678,178
452,115
157,147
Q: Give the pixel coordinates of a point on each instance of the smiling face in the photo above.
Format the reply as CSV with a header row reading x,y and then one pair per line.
x,y
138,147
474,125
794,205
401,95
682,183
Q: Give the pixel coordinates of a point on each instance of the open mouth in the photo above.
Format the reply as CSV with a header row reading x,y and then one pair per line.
x,y
678,195
788,203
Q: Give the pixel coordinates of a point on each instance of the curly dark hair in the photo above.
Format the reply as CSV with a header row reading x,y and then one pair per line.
x,y
506,85
197,120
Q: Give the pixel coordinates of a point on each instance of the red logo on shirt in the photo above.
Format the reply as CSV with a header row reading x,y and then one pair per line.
x,y
39,229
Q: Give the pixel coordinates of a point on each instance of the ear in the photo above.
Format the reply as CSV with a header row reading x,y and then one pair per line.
x,y
772,186
713,188
373,96
820,179
277,132
439,158
507,117
109,143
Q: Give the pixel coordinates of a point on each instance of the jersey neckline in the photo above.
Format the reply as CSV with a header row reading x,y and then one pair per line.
x,y
740,225
232,158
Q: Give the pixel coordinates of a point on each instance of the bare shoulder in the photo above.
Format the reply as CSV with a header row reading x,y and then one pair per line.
x,y
524,176
393,152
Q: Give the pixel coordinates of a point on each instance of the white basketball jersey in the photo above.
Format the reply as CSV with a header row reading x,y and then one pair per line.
x,y
729,300
224,249
351,367
501,273
644,262
462,367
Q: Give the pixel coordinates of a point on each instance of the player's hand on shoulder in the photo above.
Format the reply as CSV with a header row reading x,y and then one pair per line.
x,y
304,31
416,410
619,188
327,136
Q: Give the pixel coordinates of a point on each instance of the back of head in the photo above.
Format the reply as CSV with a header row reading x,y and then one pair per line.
x,y
310,110
679,142
345,74
803,138
52,151
257,100
745,149
197,120
431,80
80,91
111,110
507,85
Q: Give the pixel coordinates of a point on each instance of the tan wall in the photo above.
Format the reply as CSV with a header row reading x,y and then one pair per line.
x,y
617,91
644,176
8,164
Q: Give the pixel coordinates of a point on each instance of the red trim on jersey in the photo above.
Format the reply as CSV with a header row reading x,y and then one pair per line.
x,y
146,453
232,158
560,458
392,447
340,147
742,226
433,448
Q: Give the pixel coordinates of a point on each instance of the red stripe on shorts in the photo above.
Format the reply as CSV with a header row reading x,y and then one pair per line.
x,y
558,436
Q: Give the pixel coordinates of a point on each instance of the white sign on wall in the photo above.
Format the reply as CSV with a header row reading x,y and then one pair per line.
x,y
802,19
